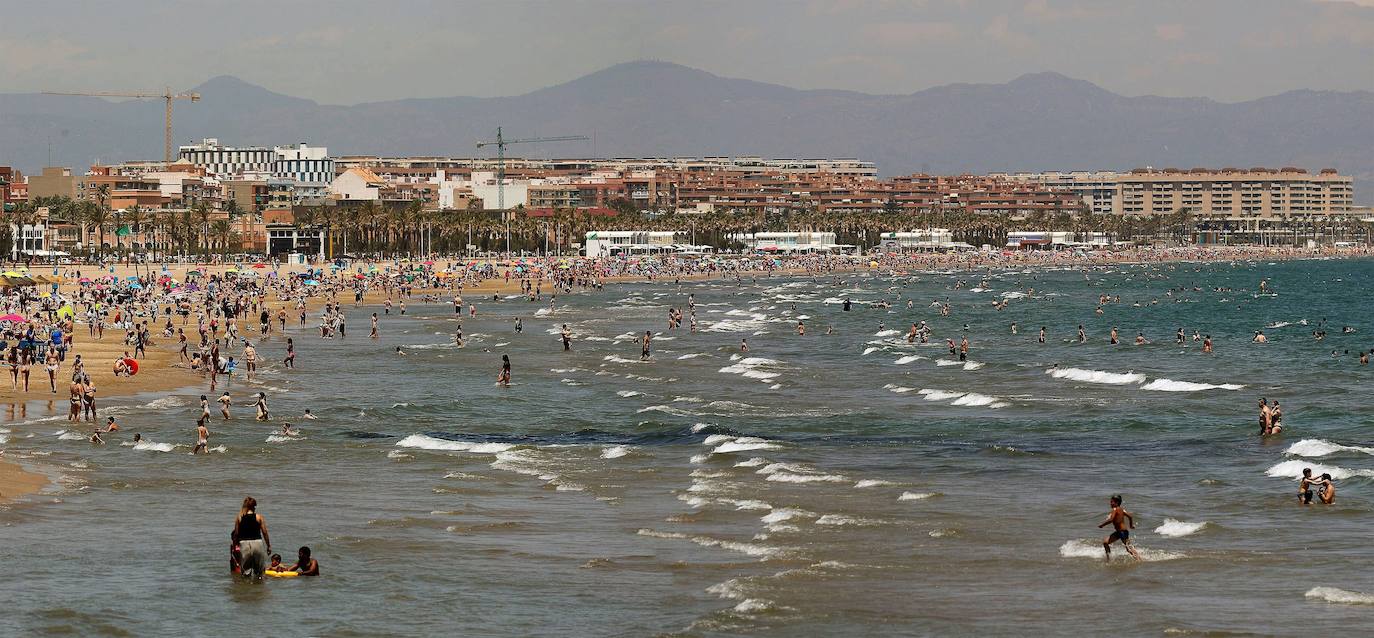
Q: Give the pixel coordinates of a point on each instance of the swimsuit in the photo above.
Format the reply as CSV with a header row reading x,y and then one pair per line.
x,y
1124,535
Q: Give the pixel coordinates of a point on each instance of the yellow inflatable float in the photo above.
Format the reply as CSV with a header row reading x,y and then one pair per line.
x,y
276,574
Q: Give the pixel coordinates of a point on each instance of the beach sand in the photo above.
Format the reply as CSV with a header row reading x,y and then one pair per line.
x,y
16,482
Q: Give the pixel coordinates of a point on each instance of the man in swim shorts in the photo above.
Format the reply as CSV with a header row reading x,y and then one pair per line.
x,y
1305,487
1119,519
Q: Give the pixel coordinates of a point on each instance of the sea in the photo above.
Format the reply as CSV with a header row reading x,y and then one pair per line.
x,y
841,483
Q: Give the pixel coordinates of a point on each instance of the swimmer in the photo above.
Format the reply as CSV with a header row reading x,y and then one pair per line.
x,y
223,401
110,425
744,345
1118,518
1259,337
305,565
286,430
308,415
1327,491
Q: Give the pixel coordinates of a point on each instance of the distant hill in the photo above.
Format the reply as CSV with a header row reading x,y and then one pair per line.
x,y
1039,121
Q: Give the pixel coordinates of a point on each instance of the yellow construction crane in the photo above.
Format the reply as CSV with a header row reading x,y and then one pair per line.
x,y
167,95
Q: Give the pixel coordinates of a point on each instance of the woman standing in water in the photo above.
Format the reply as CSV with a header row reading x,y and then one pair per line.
x,y
255,545
504,377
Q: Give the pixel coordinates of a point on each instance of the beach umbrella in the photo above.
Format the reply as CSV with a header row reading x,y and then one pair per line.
x,y
133,366
66,311
10,273
311,282
12,317
231,269
259,265
136,286
360,276
84,280
429,263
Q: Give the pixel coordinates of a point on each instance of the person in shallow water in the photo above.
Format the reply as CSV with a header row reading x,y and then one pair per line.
x,y
255,544
305,565
1118,518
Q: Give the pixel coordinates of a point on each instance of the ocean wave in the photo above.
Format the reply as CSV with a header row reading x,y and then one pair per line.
x,y
163,403
628,393
425,442
870,350
842,520
1174,527
278,438
1318,448
908,359
1334,595
149,446
753,462
1095,376
745,444
917,496
885,333
615,452
1091,549
785,514
964,399
898,389
1294,468
873,483
693,355
1169,385
786,477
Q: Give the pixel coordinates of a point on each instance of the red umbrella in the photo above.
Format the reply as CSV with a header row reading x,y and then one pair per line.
x,y
259,265
12,317
133,366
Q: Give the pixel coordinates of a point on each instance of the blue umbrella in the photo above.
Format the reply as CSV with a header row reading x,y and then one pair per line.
x,y
136,286
311,282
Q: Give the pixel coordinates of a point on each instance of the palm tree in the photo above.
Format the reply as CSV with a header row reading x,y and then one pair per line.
x,y
220,228
97,214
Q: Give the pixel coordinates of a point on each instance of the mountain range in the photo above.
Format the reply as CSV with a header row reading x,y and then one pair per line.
x,y
1040,121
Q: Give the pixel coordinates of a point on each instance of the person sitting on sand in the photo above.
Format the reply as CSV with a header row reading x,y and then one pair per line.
x,y
121,369
305,565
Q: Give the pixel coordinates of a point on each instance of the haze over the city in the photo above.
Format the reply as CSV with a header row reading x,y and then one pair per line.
x,y
348,51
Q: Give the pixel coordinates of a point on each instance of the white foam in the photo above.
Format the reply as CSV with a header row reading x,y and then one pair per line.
x,y
1318,448
1095,376
164,402
1294,468
615,452
785,514
693,355
619,359
870,350
873,483
278,438
974,399
841,519
753,462
785,477
898,389
149,446
908,359
885,333
717,439
1174,527
748,504
972,365
916,496
1089,549
71,436
1334,595
424,442
628,393
1169,385
745,444
657,534
939,395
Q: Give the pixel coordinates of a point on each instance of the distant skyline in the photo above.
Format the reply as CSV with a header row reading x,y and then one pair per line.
x,y
348,51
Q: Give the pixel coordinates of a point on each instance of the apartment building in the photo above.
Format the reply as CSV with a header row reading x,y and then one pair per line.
x,y
1255,193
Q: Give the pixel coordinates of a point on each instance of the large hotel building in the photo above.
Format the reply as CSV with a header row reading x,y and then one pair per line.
x,y
1255,193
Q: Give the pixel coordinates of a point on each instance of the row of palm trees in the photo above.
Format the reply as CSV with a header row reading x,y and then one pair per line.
x,y
410,229
194,230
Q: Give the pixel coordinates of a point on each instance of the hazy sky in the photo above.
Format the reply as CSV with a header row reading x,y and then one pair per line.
x,y
347,51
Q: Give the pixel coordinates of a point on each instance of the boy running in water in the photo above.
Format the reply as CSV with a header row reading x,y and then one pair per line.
x,y
1118,518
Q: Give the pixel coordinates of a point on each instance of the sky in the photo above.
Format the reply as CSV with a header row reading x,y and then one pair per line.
x,y
349,51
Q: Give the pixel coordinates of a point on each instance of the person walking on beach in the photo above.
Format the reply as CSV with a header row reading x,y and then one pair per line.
x,y
255,544
1119,519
